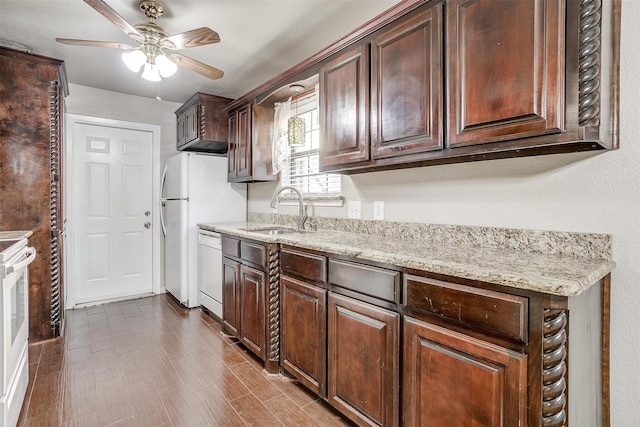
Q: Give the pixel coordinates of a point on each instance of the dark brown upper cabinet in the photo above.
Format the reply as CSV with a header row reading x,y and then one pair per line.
x,y
202,124
406,86
451,81
250,154
239,154
344,108
505,70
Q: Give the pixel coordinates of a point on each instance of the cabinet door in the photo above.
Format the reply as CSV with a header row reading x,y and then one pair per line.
x,y
505,70
450,379
231,297
344,109
362,361
406,86
252,315
302,334
261,148
243,146
232,168
180,130
191,128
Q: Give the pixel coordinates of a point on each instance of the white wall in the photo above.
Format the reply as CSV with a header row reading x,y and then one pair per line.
x,y
570,192
94,102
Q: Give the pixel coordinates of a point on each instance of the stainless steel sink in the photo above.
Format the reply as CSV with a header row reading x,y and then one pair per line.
x,y
277,231
273,231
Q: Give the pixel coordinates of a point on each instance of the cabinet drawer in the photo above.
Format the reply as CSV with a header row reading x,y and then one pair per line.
x,y
254,253
365,279
231,246
494,312
303,265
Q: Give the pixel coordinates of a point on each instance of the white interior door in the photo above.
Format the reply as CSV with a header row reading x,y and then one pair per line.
x,y
113,230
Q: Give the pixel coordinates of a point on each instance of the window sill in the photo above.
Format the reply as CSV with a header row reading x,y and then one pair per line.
x,y
333,200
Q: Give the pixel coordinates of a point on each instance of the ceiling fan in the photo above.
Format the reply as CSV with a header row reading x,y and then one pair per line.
x,y
152,41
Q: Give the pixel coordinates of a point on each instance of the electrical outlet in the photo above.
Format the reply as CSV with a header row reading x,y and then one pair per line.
x,y
354,210
378,210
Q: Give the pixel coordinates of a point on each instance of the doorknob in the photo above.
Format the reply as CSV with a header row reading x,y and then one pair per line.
x,y
147,225
147,213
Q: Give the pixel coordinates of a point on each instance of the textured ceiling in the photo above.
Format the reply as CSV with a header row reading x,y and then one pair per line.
x,y
259,39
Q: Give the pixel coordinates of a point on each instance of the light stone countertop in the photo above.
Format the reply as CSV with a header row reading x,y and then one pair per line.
x,y
15,235
563,275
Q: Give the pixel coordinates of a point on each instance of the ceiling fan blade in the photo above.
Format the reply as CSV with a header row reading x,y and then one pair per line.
x,y
196,66
95,43
113,16
198,37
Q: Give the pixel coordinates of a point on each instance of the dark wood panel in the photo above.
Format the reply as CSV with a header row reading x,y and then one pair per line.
x,y
243,147
519,92
252,310
406,86
25,170
255,253
232,150
362,361
231,246
231,297
303,265
303,332
344,108
493,312
213,118
373,281
453,380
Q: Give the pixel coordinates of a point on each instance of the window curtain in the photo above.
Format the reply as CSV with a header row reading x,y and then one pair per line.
x,y
279,138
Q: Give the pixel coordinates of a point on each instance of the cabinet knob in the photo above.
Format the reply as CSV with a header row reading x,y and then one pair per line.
x,y
147,224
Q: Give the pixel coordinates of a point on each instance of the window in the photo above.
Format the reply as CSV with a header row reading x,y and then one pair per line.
x,y
301,169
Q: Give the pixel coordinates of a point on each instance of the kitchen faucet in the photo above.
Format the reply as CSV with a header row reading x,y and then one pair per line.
x,y
302,216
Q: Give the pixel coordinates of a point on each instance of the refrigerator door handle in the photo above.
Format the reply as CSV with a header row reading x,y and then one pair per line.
x,y
164,228
162,182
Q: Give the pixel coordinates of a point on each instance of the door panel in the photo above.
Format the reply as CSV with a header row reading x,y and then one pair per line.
x,y
113,188
455,380
406,86
252,301
362,361
303,337
344,109
519,92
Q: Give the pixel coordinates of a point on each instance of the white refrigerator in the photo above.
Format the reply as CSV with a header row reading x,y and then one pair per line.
x,y
194,190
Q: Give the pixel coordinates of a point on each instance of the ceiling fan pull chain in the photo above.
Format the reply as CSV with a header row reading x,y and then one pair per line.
x,y
158,96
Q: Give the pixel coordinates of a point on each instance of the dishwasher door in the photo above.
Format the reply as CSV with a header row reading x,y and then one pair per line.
x,y
210,271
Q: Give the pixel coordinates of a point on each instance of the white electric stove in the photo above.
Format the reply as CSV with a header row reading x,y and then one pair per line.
x,y
15,256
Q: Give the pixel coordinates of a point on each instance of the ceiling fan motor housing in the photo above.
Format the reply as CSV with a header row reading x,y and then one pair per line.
x,y
151,10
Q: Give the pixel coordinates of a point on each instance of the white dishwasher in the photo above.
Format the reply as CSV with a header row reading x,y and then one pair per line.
x,y
210,271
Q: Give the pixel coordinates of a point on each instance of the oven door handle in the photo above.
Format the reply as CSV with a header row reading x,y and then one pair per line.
x,y
30,255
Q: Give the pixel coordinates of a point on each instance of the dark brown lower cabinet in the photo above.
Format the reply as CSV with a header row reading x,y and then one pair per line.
x,y
362,362
303,332
454,380
252,316
230,296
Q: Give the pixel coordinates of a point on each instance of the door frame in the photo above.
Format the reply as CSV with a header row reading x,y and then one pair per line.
x,y
70,120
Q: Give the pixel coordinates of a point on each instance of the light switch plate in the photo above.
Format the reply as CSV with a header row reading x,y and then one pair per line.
x,y
378,210
354,209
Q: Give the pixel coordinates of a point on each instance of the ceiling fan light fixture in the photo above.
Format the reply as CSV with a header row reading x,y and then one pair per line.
x,y
166,67
151,73
134,60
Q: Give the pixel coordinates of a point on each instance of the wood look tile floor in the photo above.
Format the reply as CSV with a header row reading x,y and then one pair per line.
x,y
151,362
